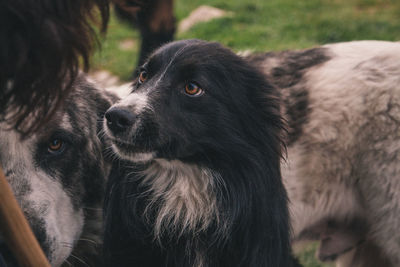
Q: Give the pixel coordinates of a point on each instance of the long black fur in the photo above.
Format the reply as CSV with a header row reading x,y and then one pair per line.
x,y
235,130
42,43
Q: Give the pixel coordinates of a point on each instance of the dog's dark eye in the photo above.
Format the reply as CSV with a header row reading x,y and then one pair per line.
x,y
56,146
142,76
193,89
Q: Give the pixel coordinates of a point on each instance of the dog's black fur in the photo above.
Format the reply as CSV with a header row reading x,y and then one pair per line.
x,y
41,46
234,130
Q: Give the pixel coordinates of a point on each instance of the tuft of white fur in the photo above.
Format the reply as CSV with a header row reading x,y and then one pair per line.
x,y
135,102
122,91
134,156
184,194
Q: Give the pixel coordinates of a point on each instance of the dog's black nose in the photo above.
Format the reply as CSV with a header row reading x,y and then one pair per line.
x,y
119,120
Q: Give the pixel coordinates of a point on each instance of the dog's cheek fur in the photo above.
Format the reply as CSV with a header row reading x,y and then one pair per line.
x,y
182,132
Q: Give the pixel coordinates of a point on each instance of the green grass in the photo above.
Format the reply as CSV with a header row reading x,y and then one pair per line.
x,y
262,25
111,56
266,25
284,24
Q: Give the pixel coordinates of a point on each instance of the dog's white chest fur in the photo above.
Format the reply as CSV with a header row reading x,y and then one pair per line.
x,y
182,194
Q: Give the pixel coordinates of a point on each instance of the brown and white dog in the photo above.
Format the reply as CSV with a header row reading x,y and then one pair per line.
x,y
342,105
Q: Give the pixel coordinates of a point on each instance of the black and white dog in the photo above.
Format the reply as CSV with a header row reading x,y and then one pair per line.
x,y
201,134
58,176
342,105
201,123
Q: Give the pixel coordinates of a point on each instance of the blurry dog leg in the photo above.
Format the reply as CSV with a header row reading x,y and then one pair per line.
x,y
365,255
155,20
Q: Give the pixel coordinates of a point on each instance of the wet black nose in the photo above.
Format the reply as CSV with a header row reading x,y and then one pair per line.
x,y
119,120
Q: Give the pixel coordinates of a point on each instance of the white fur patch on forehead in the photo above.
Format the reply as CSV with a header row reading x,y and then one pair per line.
x,y
122,91
135,102
177,53
66,122
184,194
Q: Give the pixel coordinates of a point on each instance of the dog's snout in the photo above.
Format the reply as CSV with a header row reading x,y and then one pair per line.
x,y
119,120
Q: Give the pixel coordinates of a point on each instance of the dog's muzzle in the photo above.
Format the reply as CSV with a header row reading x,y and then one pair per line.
x,y
119,120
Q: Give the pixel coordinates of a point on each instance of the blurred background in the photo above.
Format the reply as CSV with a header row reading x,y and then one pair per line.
x,y
256,25
259,25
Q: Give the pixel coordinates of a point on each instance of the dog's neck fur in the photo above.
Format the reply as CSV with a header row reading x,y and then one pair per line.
x,y
184,195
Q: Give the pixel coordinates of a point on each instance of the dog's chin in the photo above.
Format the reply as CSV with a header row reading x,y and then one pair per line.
x,y
129,152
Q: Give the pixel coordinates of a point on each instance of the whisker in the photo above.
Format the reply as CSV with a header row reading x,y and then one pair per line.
x,y
70,264
66,243
90,208
88,240
79,259
101,133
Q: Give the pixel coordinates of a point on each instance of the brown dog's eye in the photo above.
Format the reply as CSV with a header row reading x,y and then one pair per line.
x,y
193,89
55,145
142,76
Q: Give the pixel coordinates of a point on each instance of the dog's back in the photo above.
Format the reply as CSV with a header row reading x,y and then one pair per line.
x,y
342,105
